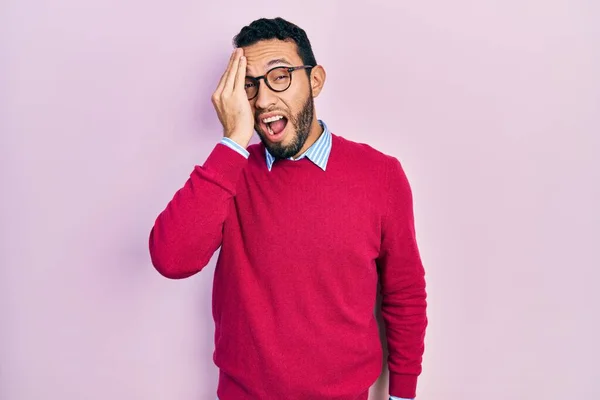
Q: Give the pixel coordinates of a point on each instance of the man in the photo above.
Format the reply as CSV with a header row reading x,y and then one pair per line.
x,y
307,223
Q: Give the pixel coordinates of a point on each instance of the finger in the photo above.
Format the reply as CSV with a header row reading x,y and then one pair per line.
x,y
240,79
226,73
232,73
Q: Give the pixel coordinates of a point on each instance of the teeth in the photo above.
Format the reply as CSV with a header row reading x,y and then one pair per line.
x,y
272,119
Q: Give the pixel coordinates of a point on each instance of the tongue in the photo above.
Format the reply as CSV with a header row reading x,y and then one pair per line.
x,y
278,125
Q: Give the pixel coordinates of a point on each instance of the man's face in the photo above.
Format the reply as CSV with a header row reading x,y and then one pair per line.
x,y
284,137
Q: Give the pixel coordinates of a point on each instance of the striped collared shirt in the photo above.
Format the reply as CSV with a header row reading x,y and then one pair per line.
x,y
318,152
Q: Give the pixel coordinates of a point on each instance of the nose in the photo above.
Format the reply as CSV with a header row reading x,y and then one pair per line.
x,y
265,98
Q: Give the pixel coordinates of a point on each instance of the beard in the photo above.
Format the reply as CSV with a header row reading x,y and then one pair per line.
x,y
301,122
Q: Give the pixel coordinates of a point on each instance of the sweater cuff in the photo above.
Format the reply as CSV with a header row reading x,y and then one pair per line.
x,y
226,164
404,386
235,146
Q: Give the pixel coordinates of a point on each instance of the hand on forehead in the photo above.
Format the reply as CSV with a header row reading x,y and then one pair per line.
x,y
267,54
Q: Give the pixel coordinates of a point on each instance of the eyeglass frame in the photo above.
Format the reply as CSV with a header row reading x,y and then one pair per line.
x,y
264,78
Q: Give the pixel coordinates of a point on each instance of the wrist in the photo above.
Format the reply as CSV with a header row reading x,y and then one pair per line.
x,y
241,139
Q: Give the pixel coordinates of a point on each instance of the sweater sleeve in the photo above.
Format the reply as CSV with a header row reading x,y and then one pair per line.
x,y
189,230
403,293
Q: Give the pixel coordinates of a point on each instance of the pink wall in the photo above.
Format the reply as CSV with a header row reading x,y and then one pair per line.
x,y
493,108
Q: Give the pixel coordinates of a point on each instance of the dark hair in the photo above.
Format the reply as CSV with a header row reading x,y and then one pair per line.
x,y
276,28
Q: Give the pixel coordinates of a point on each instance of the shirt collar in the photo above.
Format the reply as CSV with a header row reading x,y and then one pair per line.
x,y
318,153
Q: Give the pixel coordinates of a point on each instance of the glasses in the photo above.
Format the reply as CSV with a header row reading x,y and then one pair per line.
x,y
278,79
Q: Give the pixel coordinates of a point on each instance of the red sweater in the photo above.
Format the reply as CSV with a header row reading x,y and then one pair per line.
x,y
296,278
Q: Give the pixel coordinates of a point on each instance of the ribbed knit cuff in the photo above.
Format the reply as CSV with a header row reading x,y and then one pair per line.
x,y
403,385
235,146
226,164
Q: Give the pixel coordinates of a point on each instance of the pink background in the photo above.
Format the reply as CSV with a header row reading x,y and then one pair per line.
x,y
492,106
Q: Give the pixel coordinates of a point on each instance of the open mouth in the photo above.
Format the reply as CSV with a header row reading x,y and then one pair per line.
x,y
274,125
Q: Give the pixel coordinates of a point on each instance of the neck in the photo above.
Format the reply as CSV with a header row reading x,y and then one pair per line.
x,y
315,132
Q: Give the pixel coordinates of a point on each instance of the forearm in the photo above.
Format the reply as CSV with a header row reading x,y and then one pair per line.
x,y
188,231
404,313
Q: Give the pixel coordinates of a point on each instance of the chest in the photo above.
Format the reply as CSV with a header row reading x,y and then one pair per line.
x,y
331,215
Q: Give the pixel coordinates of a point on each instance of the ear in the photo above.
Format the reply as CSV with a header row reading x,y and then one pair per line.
x,y
317,79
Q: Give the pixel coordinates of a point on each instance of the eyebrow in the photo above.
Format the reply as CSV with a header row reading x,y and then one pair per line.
x,y
277,61
273,62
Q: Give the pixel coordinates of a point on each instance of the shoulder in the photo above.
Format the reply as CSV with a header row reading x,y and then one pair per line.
x,y
383,169
366,154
